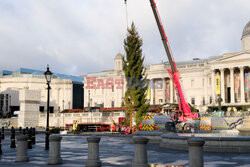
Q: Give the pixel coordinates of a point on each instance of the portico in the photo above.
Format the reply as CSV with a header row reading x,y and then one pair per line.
x,y
233,86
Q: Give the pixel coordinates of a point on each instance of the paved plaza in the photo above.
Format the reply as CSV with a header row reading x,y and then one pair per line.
x,y
114,151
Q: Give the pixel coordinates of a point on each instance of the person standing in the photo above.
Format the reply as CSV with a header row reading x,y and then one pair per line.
x,y
75,126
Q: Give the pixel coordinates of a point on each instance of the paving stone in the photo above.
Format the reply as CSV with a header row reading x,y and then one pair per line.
x,y
114,151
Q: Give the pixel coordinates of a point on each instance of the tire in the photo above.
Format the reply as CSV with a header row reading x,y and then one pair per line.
x,y
85,128
187,127
170,126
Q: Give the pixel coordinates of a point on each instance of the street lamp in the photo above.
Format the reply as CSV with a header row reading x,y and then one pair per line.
x,y
48,75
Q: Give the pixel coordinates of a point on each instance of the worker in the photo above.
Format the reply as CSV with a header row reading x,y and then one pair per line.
x,y
75,126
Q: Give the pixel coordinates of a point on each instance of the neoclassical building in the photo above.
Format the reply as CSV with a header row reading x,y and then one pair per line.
x,y
203,81
66,91
111,93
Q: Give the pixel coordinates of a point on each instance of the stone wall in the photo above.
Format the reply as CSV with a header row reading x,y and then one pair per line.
x,y
29,108
60,119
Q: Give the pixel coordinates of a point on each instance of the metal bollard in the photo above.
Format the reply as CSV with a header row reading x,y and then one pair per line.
x,y
33,135
12,138
22,153
24,131
27,131
55,150
20,130
0,145
195,151
93,152
30,139
2,136
140,154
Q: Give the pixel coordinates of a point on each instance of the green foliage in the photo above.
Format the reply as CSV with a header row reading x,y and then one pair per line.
x,y
135,97
244,108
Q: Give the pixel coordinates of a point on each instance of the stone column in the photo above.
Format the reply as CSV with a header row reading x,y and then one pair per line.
x,y
140,154
222,85
213,85
195,151
58,99
164,90
22,155
55,150
93,152
242,85
152,86
206,89
171,91
232,85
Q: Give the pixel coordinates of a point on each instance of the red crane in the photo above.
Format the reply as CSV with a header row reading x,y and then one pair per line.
x,y
184,110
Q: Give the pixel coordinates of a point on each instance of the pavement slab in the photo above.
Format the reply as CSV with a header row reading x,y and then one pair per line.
x,y
114,151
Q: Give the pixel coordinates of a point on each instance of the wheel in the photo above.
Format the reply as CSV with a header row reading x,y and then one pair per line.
x,y
85,129
170,126
187,127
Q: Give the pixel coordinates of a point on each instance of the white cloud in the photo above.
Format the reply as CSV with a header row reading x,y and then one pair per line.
x,y
77,37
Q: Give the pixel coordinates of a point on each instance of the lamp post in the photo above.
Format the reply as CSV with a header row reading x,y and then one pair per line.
x,y
48,75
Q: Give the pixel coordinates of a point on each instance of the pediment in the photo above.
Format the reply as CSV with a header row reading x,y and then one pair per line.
x,y
239,56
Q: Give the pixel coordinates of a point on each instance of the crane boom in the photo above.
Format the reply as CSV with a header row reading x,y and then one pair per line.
x,y
183,106
163,36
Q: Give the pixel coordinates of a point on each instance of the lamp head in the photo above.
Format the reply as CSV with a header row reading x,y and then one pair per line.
x,y
48,74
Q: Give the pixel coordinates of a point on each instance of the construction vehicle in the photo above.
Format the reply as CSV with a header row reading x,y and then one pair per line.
x,y
182,118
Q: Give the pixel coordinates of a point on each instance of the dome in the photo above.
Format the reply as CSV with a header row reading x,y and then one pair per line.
x,y
118,56
246,30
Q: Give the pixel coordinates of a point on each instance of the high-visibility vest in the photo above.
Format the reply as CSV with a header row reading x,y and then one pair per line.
x,y
74,126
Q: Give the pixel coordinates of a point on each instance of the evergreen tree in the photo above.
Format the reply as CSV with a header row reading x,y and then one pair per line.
x,y
135,96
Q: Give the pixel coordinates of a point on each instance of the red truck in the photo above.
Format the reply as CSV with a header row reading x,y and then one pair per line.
x,y
98,125
84,127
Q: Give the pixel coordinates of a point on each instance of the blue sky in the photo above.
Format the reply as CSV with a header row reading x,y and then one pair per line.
x,y
82,36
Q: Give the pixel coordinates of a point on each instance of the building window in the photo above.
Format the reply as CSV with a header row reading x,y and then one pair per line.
x,y
204,101
1,101
192,83
7,102
51,109
193,101
113,90
160,101
112,104
210,100
41,108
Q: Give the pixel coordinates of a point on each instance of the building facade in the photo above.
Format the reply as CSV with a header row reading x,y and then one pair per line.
x,y
66,91
203,81
106,88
